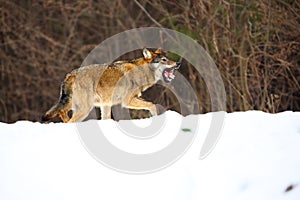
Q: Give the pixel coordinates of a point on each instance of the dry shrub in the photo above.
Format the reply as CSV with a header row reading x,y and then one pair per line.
x,y
255,45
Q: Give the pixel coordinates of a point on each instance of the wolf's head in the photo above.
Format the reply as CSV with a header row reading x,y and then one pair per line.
x,y
163,67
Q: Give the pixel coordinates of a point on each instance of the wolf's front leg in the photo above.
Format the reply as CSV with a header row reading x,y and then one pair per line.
x,y
105,112
140,104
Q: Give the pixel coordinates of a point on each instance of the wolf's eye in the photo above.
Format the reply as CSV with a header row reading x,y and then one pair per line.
x,y
164,59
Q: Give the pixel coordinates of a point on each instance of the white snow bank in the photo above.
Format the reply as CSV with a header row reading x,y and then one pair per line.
x,y
257,157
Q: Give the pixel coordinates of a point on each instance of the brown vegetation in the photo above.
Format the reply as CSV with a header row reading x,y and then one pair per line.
x,y
255,44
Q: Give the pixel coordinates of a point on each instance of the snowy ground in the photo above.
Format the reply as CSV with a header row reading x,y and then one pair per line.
x,y
257,157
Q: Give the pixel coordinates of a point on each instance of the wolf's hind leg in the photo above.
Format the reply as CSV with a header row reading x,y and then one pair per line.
x,y
64,116
139,104
79,114
78,117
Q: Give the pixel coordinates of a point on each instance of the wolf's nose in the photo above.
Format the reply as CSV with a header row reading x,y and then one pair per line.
x,y
178,64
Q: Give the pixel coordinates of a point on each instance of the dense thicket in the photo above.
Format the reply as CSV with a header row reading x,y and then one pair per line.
x,y
255,45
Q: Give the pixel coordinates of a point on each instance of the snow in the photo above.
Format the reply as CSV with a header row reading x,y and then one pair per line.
x,y
256,157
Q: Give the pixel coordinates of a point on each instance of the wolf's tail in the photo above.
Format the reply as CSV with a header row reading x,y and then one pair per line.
x,y
61,108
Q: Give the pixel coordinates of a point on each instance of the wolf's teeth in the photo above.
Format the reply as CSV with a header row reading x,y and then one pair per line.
x,y
172,76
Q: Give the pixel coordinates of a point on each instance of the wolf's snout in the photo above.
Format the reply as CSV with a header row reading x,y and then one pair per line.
x,y
178,65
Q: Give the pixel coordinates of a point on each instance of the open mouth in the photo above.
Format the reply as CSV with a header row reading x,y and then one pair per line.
x,y
168,74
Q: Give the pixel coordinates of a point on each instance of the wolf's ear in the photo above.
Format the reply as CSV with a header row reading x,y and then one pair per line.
x,y
158,51
147,54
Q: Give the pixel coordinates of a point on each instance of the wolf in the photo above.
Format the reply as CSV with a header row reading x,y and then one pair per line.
x,y
105,85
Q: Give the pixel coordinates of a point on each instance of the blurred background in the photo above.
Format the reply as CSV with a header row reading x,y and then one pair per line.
x,y
255,45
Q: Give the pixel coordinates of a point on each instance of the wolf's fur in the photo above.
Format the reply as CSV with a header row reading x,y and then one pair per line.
x,y
103,86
